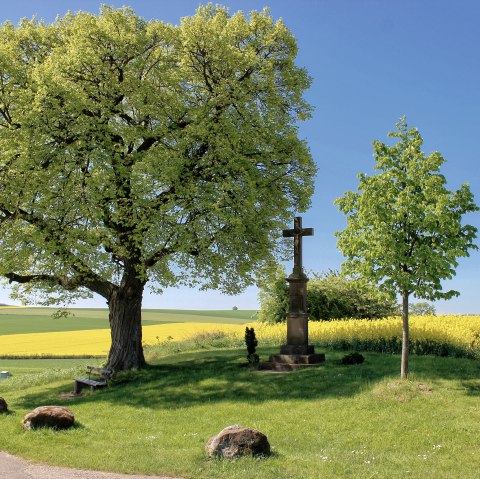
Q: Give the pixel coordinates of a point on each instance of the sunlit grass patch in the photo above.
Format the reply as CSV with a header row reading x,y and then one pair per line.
x,y
402,390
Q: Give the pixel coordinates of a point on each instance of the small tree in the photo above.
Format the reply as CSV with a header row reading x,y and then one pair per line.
x,y
422,309
404,229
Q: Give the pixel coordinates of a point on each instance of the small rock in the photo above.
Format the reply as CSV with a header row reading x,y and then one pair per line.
x,y
55,417
3,406
237,441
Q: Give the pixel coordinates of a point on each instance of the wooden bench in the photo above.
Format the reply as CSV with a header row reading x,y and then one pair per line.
x,y
97,378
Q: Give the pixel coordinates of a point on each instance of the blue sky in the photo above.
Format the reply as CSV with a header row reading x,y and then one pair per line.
x,y
372,61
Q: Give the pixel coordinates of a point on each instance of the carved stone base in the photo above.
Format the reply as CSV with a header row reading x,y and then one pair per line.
x,y
298,358
293,357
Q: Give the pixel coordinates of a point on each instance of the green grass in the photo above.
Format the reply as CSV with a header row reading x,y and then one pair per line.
x,y
40,320
39,366
330,422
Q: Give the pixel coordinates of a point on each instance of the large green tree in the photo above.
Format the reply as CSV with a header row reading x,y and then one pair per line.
x,y
136,151
404,227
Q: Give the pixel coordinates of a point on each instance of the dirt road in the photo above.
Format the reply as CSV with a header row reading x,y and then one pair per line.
x,y
12,467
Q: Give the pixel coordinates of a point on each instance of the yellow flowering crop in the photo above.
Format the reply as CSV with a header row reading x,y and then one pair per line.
x,y
462,332
96,342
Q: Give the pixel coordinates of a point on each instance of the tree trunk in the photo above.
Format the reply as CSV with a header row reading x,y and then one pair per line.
x,y
405,335
125,305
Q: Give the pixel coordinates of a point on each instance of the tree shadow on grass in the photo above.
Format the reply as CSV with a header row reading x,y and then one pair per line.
x,y
189,379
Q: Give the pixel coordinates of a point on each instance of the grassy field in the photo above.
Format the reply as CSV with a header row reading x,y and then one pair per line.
x,y
331,422
39,320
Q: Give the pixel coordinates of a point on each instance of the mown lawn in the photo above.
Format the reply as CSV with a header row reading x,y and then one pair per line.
x,y
331,422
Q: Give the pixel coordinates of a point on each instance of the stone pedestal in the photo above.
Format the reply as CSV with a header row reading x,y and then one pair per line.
x,y
297,329
297,353
291,362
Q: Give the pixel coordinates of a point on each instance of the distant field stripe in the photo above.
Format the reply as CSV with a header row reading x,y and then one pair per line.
x,y
96,342
24,320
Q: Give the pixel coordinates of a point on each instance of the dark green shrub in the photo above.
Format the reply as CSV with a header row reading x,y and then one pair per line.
x,y
252,343
330,296
352,358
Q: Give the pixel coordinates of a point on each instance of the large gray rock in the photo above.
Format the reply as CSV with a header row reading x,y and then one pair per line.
x,y
237,441
55,417
3,406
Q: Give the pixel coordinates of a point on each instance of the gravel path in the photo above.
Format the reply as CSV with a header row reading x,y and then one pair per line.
x,y
12,467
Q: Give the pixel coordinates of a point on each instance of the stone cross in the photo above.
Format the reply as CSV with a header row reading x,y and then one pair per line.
x,y
297,353
297,318
297,233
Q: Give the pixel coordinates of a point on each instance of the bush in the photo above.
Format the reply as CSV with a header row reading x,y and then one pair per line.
x,y
330,296
273,297
352,358
252,343
421,309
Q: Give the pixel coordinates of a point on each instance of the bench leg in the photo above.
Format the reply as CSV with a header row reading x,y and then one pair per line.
x,y
78,387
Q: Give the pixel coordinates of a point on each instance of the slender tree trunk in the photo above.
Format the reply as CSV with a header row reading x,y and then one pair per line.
x,y
125,305
405,335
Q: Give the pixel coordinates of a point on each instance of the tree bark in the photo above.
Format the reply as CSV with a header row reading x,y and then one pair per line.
x,y
125,315
405,335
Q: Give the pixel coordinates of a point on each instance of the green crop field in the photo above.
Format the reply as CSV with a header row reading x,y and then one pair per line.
x,y
40,320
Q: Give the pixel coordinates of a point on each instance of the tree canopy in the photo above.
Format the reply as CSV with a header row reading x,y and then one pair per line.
x,y
136,151
404,227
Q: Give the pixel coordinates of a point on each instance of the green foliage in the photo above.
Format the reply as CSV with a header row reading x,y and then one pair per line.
x,y
273,297
404,227
135,152
330,296
250,340
127,144
393,345
334,296
422,309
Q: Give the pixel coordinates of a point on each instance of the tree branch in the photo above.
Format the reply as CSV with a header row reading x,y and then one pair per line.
x,y
103,288
85,278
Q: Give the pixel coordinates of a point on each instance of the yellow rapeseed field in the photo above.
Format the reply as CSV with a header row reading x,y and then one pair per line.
x,y
460,331
96,342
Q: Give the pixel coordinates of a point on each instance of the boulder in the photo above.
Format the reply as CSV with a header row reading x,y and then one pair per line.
x,y
237,441
3,406
55,417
